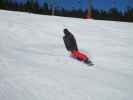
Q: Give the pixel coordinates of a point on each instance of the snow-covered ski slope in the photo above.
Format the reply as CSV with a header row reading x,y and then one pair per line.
x,y
34,64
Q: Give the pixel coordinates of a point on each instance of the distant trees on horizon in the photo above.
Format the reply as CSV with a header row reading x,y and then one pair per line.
x,y
33,6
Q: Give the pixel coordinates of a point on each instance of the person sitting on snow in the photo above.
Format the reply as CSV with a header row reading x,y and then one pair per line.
x,y
71,46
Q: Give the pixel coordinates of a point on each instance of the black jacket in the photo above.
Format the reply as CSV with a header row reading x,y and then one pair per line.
x,y
70,41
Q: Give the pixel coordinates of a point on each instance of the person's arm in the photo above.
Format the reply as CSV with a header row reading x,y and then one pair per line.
x,y
74,43
66,43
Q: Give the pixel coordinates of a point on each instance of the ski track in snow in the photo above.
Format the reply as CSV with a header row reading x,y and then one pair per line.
x,y
34,64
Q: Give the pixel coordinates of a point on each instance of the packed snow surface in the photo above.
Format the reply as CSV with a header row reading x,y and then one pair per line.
x,y
34,63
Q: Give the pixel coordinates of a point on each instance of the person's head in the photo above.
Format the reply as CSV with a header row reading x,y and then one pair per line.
x,y
66,32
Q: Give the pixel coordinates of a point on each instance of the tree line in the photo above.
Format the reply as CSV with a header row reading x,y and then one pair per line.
x,y
33,6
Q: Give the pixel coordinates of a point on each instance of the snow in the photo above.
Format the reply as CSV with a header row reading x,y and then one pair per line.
x,y
34,64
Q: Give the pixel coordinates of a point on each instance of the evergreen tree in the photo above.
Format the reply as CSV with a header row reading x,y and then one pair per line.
x,y
34,7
